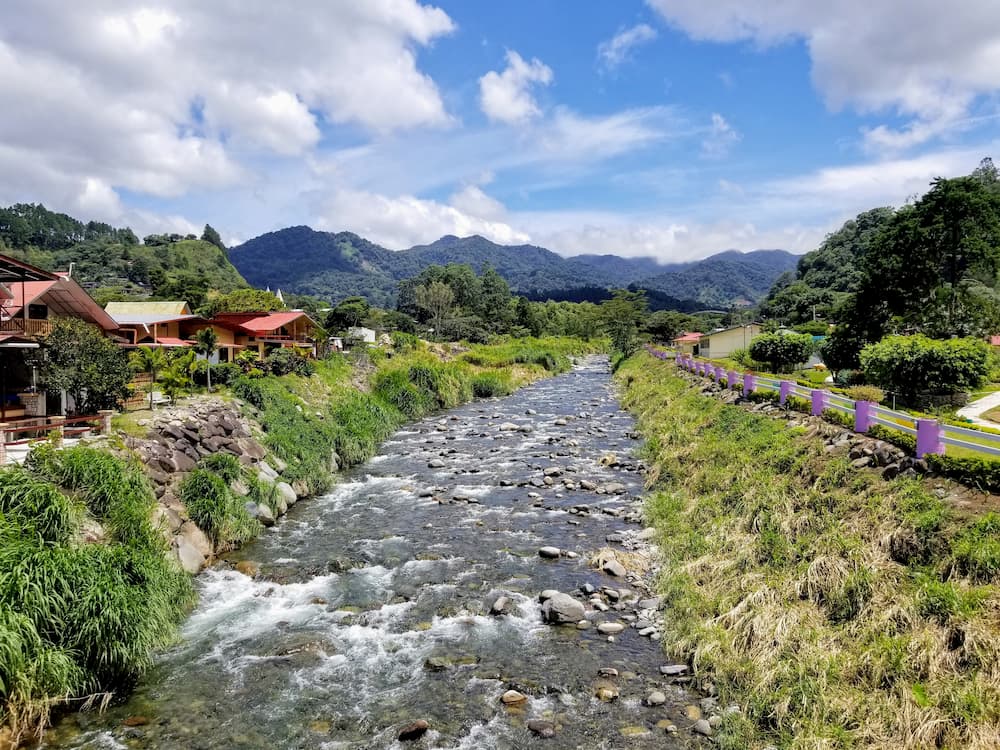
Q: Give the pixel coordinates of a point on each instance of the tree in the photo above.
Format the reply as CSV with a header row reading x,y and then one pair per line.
x,y
82,361
782,351
493,305
437,299
206,344
348,313
666,325
177,374
210,235
910,365
394,320
151,360
622,315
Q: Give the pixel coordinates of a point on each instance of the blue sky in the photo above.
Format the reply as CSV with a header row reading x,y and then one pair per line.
x,y
671,128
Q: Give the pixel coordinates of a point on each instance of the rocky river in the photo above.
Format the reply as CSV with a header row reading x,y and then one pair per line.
x,y
405,608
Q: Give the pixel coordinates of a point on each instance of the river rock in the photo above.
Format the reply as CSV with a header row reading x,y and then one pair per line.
x,y
513,698
562,608
550,553
413,731
248,568
508,427
501,606
610,628
615,568
702,727
542,728
656,698
673,670
286,493
435,463
265,515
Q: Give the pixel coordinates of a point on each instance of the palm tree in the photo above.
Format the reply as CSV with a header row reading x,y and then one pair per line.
x,y
148,359
206,342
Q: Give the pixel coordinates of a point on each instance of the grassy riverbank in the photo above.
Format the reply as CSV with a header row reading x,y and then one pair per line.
x,y
837,609
88,591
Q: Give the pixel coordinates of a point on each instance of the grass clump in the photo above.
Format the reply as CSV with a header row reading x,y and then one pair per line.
x,y
217,510
491,384
839,610
79,621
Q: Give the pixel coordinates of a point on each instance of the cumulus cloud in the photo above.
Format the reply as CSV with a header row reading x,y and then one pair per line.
x,y
403,221
507,96
873,56
618,48
103,96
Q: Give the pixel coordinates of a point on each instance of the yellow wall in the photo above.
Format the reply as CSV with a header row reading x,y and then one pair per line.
x,y
724,343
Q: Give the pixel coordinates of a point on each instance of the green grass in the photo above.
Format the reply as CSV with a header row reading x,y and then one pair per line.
x,y
837,609
217,510
77,619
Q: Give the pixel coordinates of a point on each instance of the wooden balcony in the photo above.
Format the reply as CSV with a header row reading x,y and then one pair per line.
x,y
30,328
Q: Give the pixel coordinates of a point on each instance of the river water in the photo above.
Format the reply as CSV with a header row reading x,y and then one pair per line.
x,y
371,608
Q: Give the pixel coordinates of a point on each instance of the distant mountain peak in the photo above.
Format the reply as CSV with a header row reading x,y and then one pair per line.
x,y
337,265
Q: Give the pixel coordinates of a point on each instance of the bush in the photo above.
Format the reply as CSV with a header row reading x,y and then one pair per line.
x,y
286,361
224,465
782,351
865,393
223,373
217,510
762,396
983,473
249,390
490,384
910,365
395,388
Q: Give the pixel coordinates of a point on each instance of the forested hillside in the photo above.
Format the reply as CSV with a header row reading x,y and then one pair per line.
x,y
334,266
112,263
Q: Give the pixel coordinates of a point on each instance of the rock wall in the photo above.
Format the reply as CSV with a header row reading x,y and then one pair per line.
x,y
176,438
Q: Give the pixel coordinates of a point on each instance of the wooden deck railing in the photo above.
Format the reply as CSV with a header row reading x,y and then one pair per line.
x,y
27,327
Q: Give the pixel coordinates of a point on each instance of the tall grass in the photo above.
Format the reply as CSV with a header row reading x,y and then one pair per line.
x,y
837,609
217,510
79,619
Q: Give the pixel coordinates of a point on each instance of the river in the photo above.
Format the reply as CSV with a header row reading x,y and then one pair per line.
x,y
371,608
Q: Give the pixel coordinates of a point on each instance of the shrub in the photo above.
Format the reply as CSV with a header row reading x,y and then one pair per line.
x,y
36,504
490,384
219,512
865,393
782,351
287,361
395,388
224,465
913,364
761,396
249,390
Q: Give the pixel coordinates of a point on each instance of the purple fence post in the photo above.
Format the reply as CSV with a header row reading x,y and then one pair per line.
x,y
930,437
731,379
784,391
863,413
818,402
749,384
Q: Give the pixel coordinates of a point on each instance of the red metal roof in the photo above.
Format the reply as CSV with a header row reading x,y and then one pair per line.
x,y
688,338
272,321
994,340
63,296
169,341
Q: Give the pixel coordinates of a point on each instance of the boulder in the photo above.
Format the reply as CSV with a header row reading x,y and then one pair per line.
x,y
286,493
550,553
610,628
413,731
656,698
265,515
614,568
513,698
562,608
542,728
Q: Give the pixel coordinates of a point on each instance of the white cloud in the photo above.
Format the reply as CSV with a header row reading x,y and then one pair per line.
x,y
618,49
404,221
100,97
923,59
506,96
571,136
720,138
473,201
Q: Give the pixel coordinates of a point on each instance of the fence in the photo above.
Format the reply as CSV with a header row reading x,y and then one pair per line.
x,y
14,434
931,435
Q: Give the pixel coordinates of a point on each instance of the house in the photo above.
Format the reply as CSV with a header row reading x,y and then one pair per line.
x,y
170,325
362,334
722,343
265,331
687,343
30,299
151,323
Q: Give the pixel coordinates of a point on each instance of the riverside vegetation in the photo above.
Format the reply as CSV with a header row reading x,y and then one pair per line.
x,y
840,610
88,592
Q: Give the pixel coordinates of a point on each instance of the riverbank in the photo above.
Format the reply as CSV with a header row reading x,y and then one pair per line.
x,y
64,512
837,608
478,582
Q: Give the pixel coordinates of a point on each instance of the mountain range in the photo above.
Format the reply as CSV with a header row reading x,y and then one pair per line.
x,y
336,265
